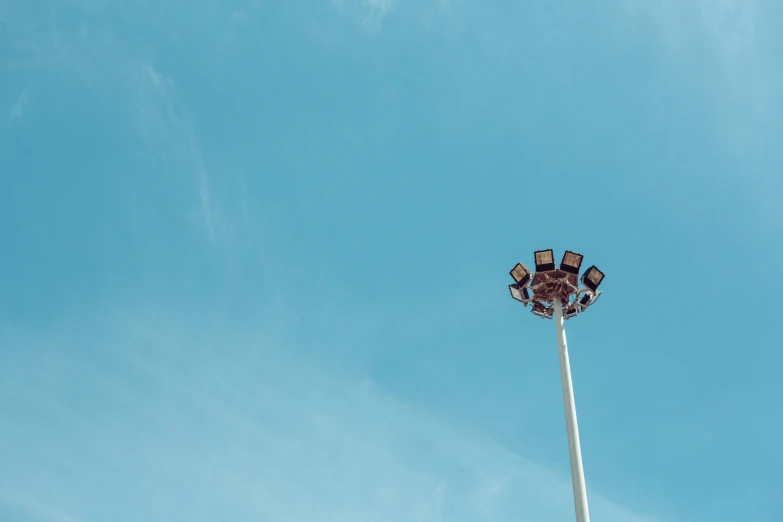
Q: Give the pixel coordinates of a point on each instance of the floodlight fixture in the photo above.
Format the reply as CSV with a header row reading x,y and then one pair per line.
x,y
589,298
520,293
545,260
571,262
521,274
592,278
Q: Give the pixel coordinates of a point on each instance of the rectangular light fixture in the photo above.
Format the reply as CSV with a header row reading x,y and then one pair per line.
x,y
521,274
519,293
545,260
592,278
571,262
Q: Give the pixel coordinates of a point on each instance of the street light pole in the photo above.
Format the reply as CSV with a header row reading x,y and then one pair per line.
x,y
574,448
559,294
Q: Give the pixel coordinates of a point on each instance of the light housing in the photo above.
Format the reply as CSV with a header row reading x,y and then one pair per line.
x,y
519,293
545,260
521,274
571,262
585,300
592,278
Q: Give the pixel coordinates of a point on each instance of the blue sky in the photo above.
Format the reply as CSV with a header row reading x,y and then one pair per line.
x,y
255,255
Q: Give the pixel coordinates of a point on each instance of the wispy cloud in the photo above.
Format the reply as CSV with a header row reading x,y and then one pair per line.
x,y
152,421
102,64
725,51
370,13
21,502
165,119
732,24
720,43
729,25
17,108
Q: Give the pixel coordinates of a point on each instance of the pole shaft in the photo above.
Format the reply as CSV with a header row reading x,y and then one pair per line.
x,y
574,449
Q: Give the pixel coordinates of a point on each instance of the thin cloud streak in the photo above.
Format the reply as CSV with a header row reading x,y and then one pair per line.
x,y
102,67
17,109
204,425
162,111
370,13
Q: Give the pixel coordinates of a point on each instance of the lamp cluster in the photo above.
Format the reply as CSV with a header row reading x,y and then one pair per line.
x,y
549,282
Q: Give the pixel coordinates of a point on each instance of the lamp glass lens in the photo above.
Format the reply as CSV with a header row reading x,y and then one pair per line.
x,y
572,259
515,293
519,273
595,276
545,258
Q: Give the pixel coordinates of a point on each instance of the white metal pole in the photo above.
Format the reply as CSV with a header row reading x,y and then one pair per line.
x,y
574,449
